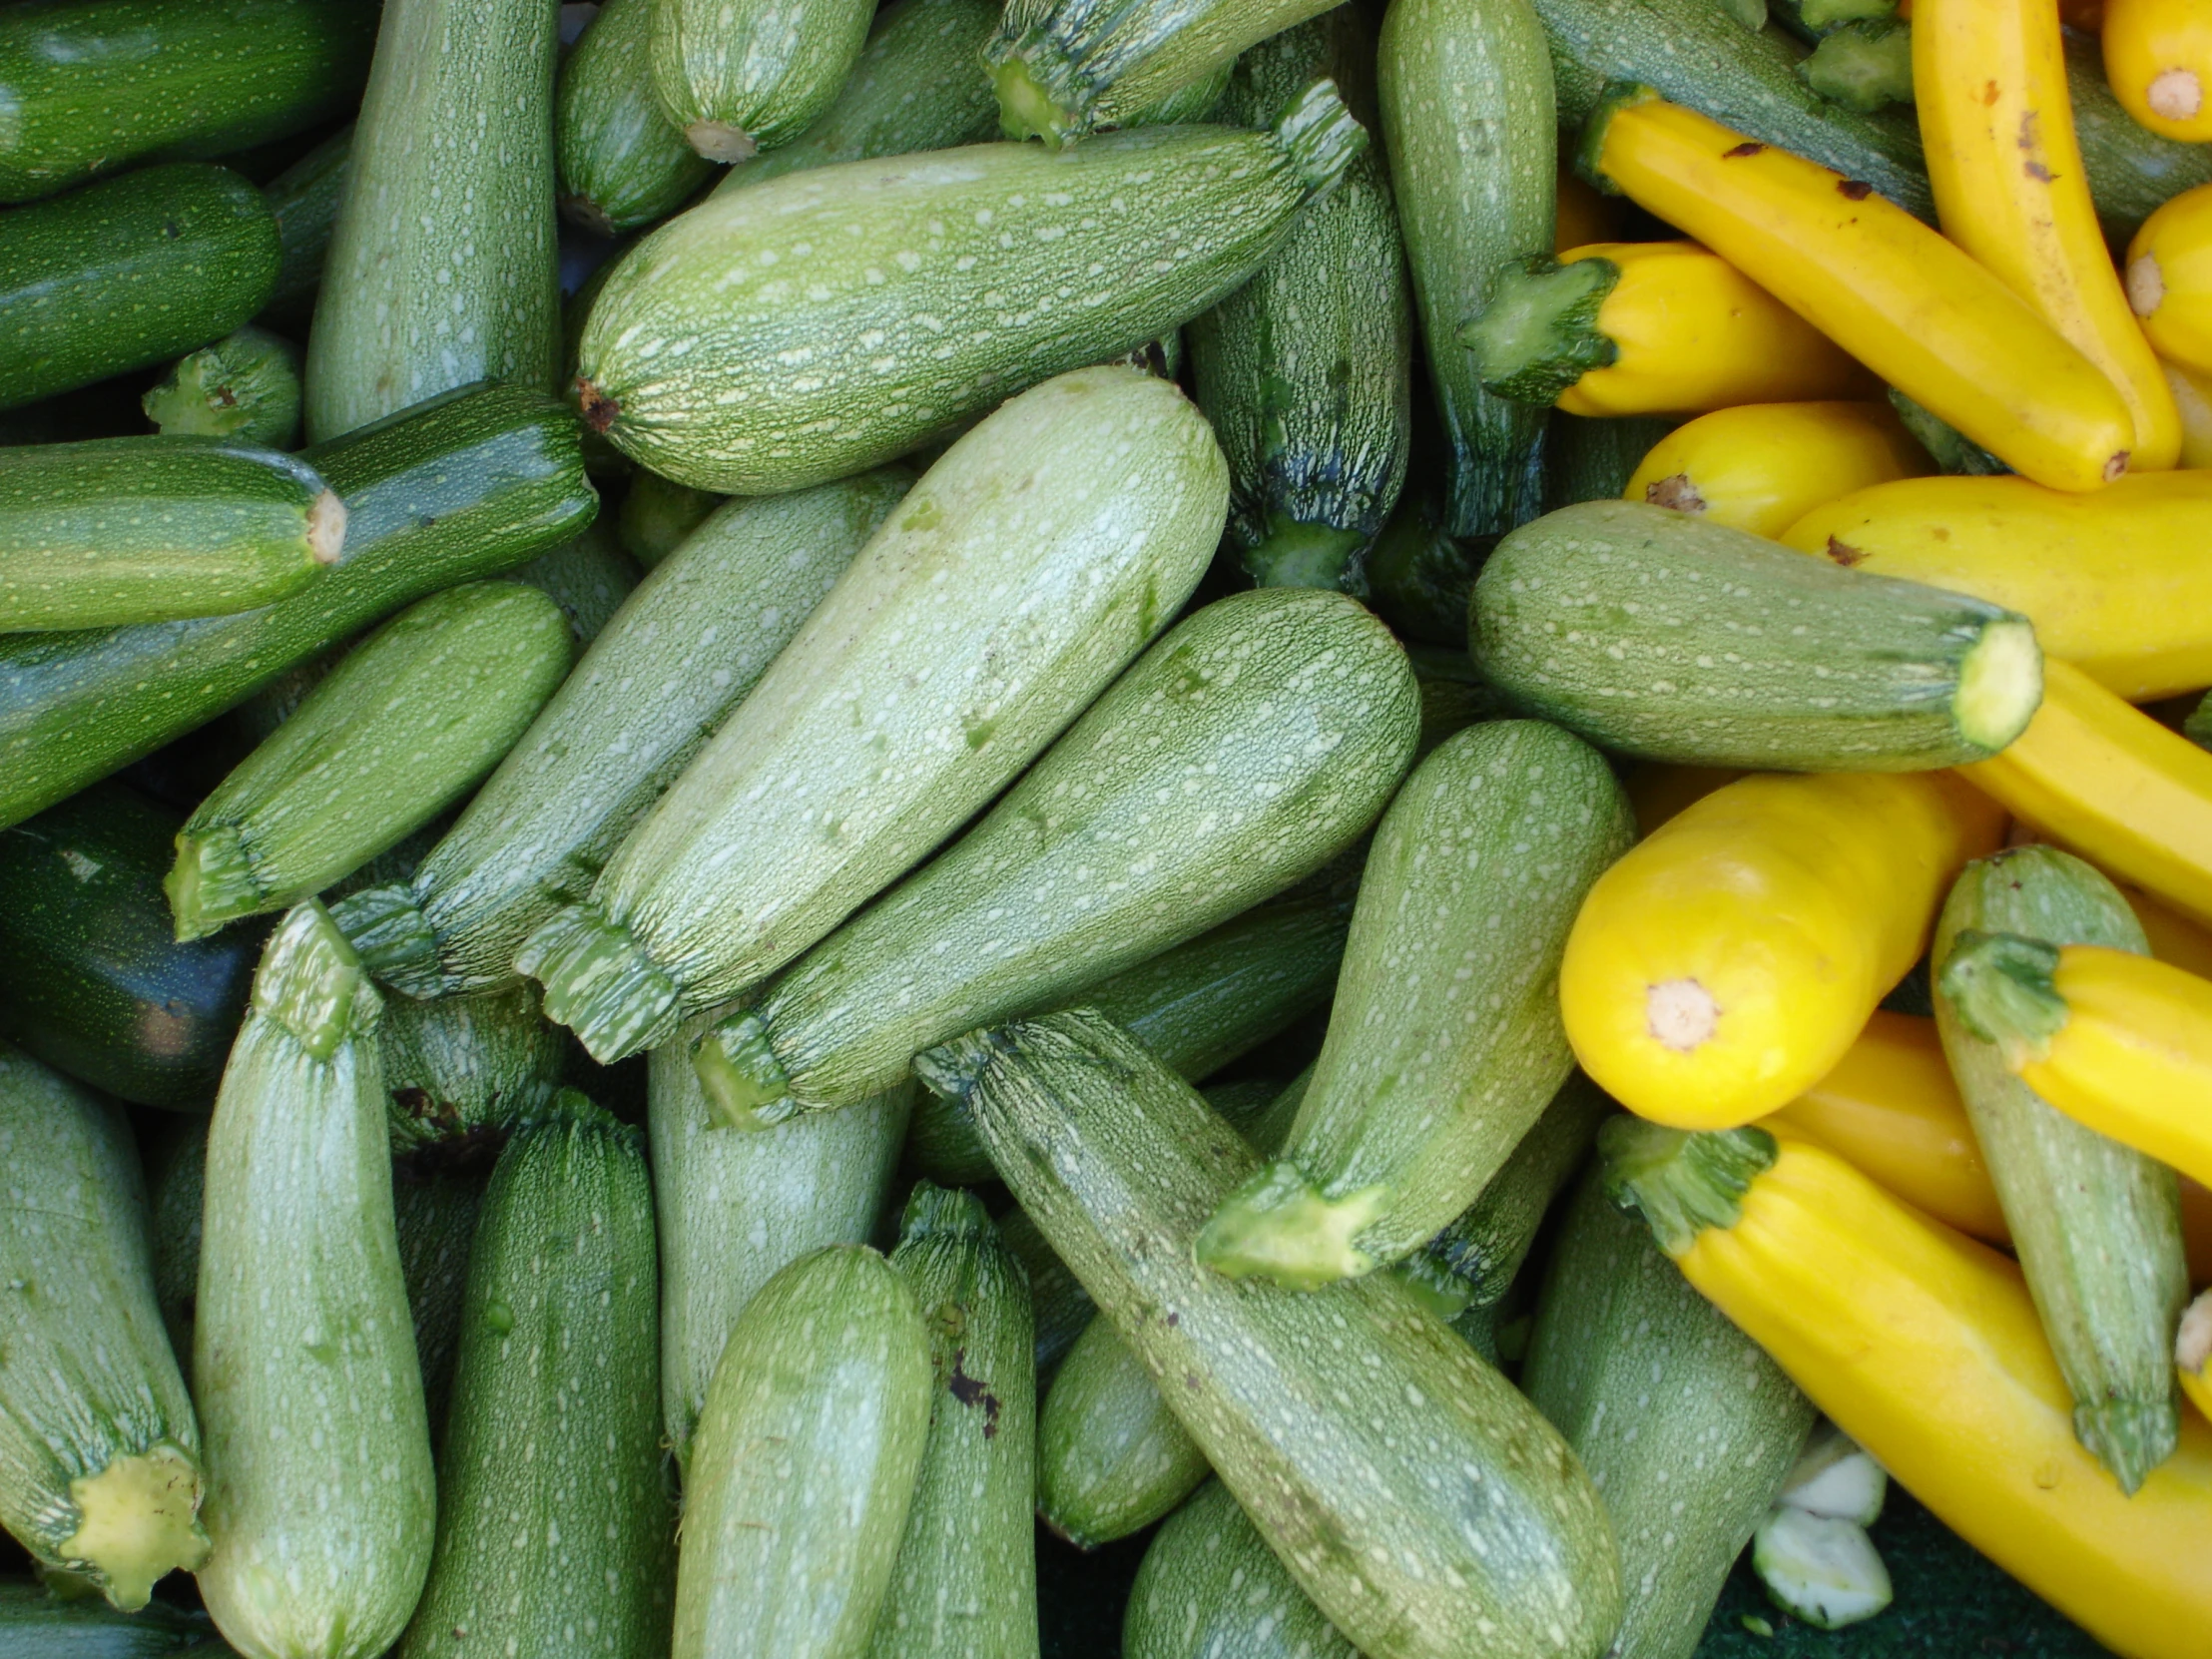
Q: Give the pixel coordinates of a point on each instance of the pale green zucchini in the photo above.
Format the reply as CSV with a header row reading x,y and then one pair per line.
x,y
555,1430
322,1539
124,530
1468,121
621,164
1304,372
304,198
1025,603
930,290
656,515
100,1465
466,1069
965,1586
245,387
404,726
1687,1428
802,1472
738,79
1444,1042
1062,1310
2096,1226
686,648
1249,746
1655,633
1411,1493
1209,1588
1112,1457
588,578
442,268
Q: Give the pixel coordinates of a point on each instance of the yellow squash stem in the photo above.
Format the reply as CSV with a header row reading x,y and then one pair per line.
x,y
1923,1346
2158,57
1762,466
2169,278
1996,121
2106,781
1728,962
1912,306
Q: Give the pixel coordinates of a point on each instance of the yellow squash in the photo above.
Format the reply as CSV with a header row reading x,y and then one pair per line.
x,y
1909,305
2169,278
1923,1346
2193,1353
2118,583
1762,466
2158,57
1725,964
2193,400
1996,121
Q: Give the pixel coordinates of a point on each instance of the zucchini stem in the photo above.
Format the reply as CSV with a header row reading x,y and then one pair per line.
x,y
213,881
2000,986
598,983
311,983
1319,137
2130,1438
394,939
138,1520
1279,1227
744,1082
1300,555
1678,1181
1026,110
1539,333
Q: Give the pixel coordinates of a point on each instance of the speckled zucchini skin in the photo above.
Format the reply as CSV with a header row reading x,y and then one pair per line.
x,y
737,78
1209,1588
622,163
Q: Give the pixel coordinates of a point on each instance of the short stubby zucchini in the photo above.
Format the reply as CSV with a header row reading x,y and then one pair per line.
x,y
622,164
246,388
737,78
1762,466
1209,1588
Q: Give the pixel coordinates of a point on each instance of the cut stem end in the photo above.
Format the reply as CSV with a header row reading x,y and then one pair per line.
x,y
137,1520
1279,1227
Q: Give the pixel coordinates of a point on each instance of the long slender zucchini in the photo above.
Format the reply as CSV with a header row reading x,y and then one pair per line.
x,y
1444,1042
467,486
732,875
1276,723
246,388
1405,1484
304,198
555,1430
1209,1588
321,1537
128,274
622,165
932,291
737,80
442,268
99,1466
1688,1430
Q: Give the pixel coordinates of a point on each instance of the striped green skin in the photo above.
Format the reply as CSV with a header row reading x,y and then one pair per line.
x,y
1112,1457
2096,1226
1061,1307
442,268
1444,1041
321,1537
684,651
621,164
1653,634
129,274
738,79
1467,118
94,86
804,1467
406,724
965,1586
464,1069
244,388
2132,170
555,1431
305,198
1411,1490
99,1451
467,486
123,530
1249,746
1025,602
1209,1588
656,515
1686,1427
736,1208
1306,371
809,327
36,1624
588,578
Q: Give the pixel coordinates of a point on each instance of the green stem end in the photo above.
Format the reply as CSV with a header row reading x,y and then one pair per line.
x,y
1616,97
600,983
2000,986
2130,1438
393,938
1678,1182
1279,1227
1319,137
1026,110
744,1082
1298,555
1539,333
934,1211
212,882
313,984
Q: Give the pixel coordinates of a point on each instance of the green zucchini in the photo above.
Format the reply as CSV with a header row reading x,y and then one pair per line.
x,y
442,268
129,274
176,1170
657,515
1655,633
36,1624
1419,575
1062,1310
100,1462
1863,66
1411,1493
735,1207
1112,1457
92,980
1209,1588
621,164
1687,1428
965,1586
684,651
2096,1226
1593,459
245,387
1951,449
555,1427
466,1068
2132,170
1025,604
467,486
737,80
588,578
1810,20
1822,1571
96,86
1452,696
305,198
802,1472
1249,746
933,290
1306,371
1444,1043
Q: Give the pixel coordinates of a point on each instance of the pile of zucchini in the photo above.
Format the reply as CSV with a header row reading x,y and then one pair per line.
x,y
802,804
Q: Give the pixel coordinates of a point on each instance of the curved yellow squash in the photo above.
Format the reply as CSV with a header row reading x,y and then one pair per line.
x,y
2158,57
2169,278
1726,962
1762,466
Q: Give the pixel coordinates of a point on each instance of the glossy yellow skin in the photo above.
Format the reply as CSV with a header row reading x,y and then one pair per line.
x,y
2118,583
1996,121
2169,278
1925,1348
1912,306
1696,333
1762,466
1773,915
2158,57
2109,783
2193,398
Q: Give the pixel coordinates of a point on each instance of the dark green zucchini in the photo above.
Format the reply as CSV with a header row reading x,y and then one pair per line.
x,y
1419,574
1112,1457
304,198
1593,459
2132,169
1209,1588
588,578
464,1069
35,1623
656,515
176,1159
